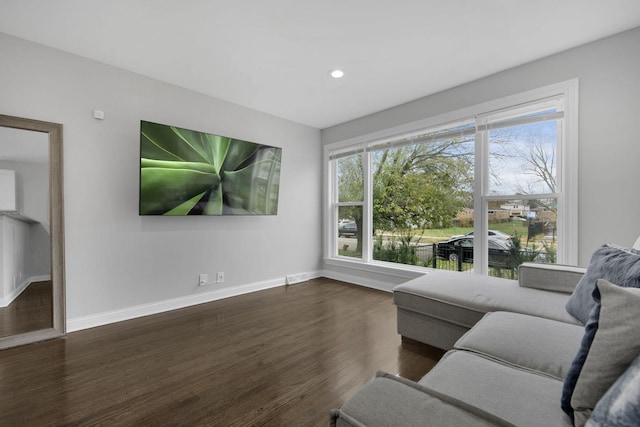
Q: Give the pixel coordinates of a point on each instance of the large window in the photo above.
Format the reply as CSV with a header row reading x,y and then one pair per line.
x,y
350,195
484,189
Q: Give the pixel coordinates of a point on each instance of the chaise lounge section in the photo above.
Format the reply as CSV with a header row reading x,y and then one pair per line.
x,y
441,306
514,348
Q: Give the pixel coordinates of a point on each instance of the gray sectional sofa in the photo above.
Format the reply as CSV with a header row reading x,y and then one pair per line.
x,y
512,349
441,306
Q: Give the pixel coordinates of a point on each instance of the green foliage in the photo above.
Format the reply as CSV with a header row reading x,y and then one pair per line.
x,y
419,186
398,250
550,252
351,189
518,255
350,179
349,253
504,273
187,172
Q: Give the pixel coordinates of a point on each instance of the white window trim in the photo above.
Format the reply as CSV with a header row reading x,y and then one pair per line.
x,y
568,167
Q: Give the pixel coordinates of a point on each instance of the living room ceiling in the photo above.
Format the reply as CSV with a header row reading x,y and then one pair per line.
x,y
275,56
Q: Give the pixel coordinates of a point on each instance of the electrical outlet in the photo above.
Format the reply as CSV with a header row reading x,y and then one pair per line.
x,y
220,277
203,280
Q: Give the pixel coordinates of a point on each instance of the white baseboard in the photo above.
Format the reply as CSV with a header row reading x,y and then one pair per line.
x,y
105,318
360,281
4,302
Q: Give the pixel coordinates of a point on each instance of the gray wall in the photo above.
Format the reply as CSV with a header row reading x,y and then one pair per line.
x,y
32,188
117,261
32,194
609,148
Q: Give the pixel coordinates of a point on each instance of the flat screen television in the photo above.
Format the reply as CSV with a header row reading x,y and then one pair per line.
x,y
186,172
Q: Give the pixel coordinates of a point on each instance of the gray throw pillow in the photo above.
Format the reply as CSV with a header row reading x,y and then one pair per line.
x,y
577,364
620,406
609,262
615,345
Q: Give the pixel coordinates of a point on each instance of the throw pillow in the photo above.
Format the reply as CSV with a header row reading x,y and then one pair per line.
x,y
620,406
578,362
610,262
612,325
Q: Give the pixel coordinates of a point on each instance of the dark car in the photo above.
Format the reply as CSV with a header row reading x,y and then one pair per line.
x,y
348,229
492,233
499,251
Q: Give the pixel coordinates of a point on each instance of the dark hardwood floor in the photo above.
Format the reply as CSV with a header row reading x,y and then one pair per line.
x,y
280,357
31,311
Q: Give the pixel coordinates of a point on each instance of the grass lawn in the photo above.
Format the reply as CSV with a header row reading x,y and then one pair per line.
x,y
439,234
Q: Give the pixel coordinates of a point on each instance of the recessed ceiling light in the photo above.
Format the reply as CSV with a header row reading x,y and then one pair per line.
x,y
336,74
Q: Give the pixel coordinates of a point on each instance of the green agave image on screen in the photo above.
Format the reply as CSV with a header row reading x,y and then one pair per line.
x,y
185,172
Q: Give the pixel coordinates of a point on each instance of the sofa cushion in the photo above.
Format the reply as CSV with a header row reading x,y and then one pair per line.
x,y
541,345
423,328
610,262
550,277
463,298
620,406
519,396
388,400
611,325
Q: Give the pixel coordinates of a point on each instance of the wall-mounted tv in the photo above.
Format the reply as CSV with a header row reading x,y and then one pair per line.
x,y
185,172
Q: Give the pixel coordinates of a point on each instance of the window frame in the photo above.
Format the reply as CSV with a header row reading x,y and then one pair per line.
x,y
567,176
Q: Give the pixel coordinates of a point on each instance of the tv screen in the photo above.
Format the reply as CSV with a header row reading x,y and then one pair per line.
x,y
185,172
